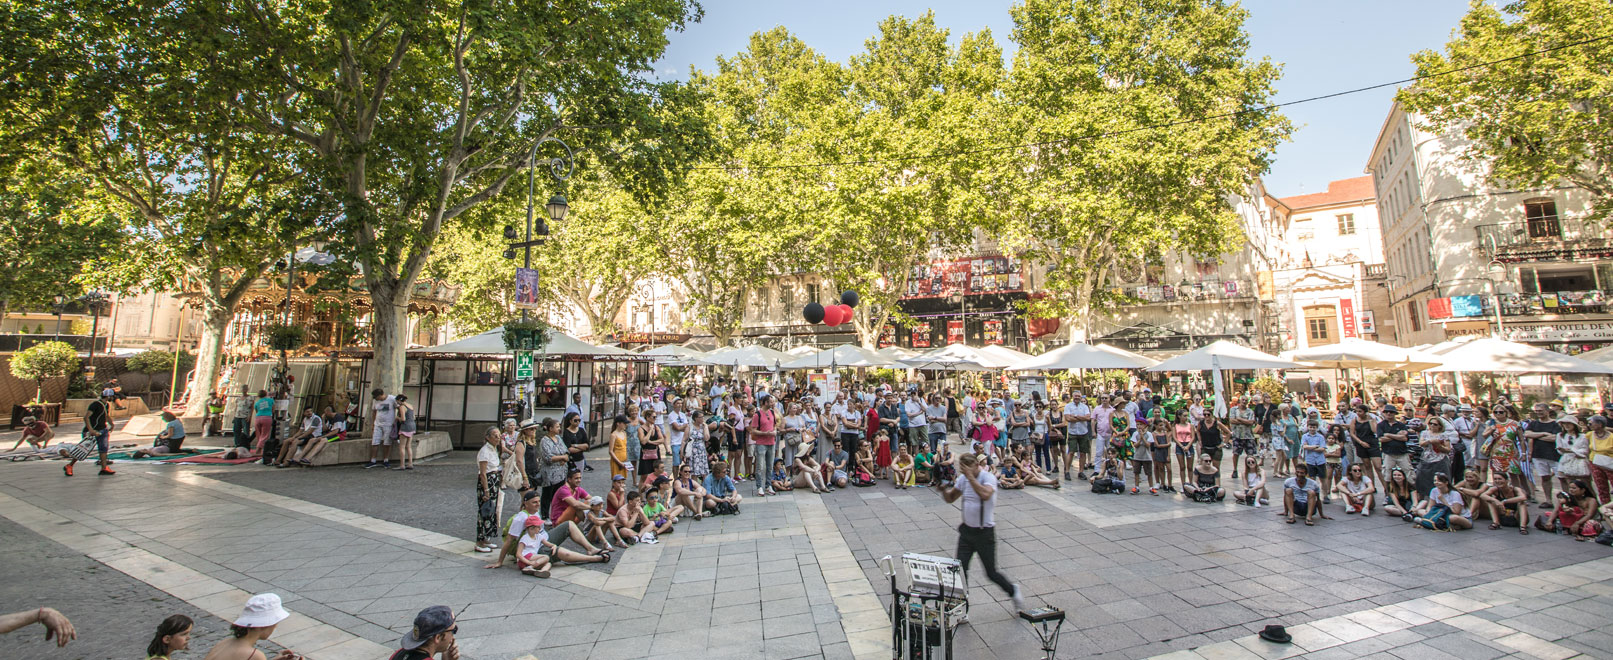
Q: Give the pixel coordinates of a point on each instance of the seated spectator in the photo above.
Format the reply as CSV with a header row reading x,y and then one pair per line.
x,y
779,478
1400,496
1444,509
688,493
660,517
924,466
838,466
660,472
312,426
630,517
601,527
1575,513
540,549
334,430
34,432
1302,493
808,473
1030,472
663,489
1357,491
722,488
172,635
257,622
902,473
1253,492
1010,477
1110,473
617,495
1505,504
570,500
169,439
1472,487
1206,485
432,635
865,460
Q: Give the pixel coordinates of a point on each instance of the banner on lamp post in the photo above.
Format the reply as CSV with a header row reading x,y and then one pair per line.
x,y
526,288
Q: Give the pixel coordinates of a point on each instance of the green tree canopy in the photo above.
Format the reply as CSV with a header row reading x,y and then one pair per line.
x,y
43,361
1102,185
1542,117
53,226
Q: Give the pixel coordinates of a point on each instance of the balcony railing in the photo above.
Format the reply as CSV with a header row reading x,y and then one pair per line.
x,y
1377,270
1548,233
1182,292
81,343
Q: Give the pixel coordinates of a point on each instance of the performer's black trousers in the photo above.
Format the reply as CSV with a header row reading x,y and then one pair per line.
x,y
982,540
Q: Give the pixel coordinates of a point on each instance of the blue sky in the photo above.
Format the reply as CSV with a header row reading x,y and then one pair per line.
x,y
1323,46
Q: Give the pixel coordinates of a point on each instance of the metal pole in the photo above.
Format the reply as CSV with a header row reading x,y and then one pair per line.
x,y
95,325
1495,296
527,262
58,322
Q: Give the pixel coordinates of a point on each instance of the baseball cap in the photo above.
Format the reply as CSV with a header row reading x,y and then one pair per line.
x,y
429,623
534,521
618,478
530,495
595,500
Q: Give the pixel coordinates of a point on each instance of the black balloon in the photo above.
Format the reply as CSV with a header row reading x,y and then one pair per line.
x,y
813,313
849,298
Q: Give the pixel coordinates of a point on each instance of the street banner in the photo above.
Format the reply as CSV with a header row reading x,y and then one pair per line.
x,y
526,288
921,335
1347,317
955,332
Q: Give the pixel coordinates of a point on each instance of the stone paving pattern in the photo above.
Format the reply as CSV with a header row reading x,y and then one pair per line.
x,y
355,553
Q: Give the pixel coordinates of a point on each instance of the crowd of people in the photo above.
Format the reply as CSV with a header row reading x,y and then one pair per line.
x,y
1440,464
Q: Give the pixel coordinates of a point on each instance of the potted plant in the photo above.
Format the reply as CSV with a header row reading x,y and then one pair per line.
x,y
43,361
530,335
283,337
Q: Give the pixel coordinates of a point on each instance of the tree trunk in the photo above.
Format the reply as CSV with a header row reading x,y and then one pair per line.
x,y
209,353
388,332
722,335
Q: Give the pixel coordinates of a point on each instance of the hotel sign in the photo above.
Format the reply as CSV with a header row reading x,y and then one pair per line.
x,y
1561,331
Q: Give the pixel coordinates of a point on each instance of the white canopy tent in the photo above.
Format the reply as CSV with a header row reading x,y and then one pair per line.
x,y
756,357
1602,356
1492,355
897,353
1219,356
802,350
1008,355
958,353
844,355
1081,355
492,343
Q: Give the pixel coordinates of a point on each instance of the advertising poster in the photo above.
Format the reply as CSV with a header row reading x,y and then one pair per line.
x,y
955,332
994,331
921,335
887,336
1464,306
980,275
1347,317
526,288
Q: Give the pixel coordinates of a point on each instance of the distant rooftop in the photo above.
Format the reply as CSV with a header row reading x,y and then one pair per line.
x,y
1338,192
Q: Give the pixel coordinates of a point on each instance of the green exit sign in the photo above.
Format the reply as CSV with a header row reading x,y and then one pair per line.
x,y
523,365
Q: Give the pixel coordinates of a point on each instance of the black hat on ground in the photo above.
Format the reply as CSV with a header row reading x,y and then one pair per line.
x,y
1276,634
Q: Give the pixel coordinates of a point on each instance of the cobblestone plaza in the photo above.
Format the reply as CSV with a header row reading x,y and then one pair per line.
x,y
355,553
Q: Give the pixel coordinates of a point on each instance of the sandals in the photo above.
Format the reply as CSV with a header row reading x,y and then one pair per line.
x,y
1310,523
542,573
1523,530
1495,526
1291,520
605,555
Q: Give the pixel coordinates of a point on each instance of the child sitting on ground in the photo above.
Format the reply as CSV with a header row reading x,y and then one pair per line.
x,y
1253,492
779,477
1111,475
602,527
1012,478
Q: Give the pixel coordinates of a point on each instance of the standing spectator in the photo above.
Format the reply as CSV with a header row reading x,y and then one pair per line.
x,y
1368,452
551,462
1241,419
382,420
1467,432
489,490
1438,442
618,448
432,635
918,419
763,435
1573,450
1601,458
576,441
678,425
1541,434
1078,440
262,420
405,433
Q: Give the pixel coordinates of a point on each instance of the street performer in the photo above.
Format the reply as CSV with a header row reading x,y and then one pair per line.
x,y
977,534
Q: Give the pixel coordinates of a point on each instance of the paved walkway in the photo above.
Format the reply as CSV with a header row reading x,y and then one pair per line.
x,y
355,553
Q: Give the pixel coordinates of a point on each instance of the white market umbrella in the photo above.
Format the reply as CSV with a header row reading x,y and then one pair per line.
x,y
897,352
1602,356
844,355
1355,353
943,364
802,350
1491,355
1223,354
1081,355
673,353
961,352
756,357
1008,355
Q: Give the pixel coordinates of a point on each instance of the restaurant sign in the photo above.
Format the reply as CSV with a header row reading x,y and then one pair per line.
x,y
1557,332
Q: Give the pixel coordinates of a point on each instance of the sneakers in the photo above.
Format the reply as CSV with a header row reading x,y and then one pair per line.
x,y
106,472
386,464
484,548
1019,599
1153,491
1349,510
67,470
371,464
1133,490
1368,512
587,468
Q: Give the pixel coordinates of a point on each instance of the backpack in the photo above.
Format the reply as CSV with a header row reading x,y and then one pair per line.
x,y
862,479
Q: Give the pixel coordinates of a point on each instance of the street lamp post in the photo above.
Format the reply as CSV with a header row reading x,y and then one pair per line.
x,y
561,168
1496,273
59,299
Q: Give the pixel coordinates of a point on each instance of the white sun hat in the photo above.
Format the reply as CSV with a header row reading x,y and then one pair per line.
x,y
262,611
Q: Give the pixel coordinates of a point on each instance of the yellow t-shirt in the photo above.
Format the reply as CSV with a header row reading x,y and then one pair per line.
x,y
1602,445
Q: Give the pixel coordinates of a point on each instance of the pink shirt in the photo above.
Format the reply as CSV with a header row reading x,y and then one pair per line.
x,y
762,428
559,506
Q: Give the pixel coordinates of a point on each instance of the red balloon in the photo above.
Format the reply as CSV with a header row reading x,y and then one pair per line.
x,y
833,315
846,312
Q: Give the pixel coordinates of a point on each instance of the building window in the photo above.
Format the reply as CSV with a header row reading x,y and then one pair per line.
x,y
1411,315
1318,329
1347,224
1321,324
1541,216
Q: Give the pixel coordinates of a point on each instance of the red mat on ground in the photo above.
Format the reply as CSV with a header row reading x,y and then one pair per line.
x,y
212,460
